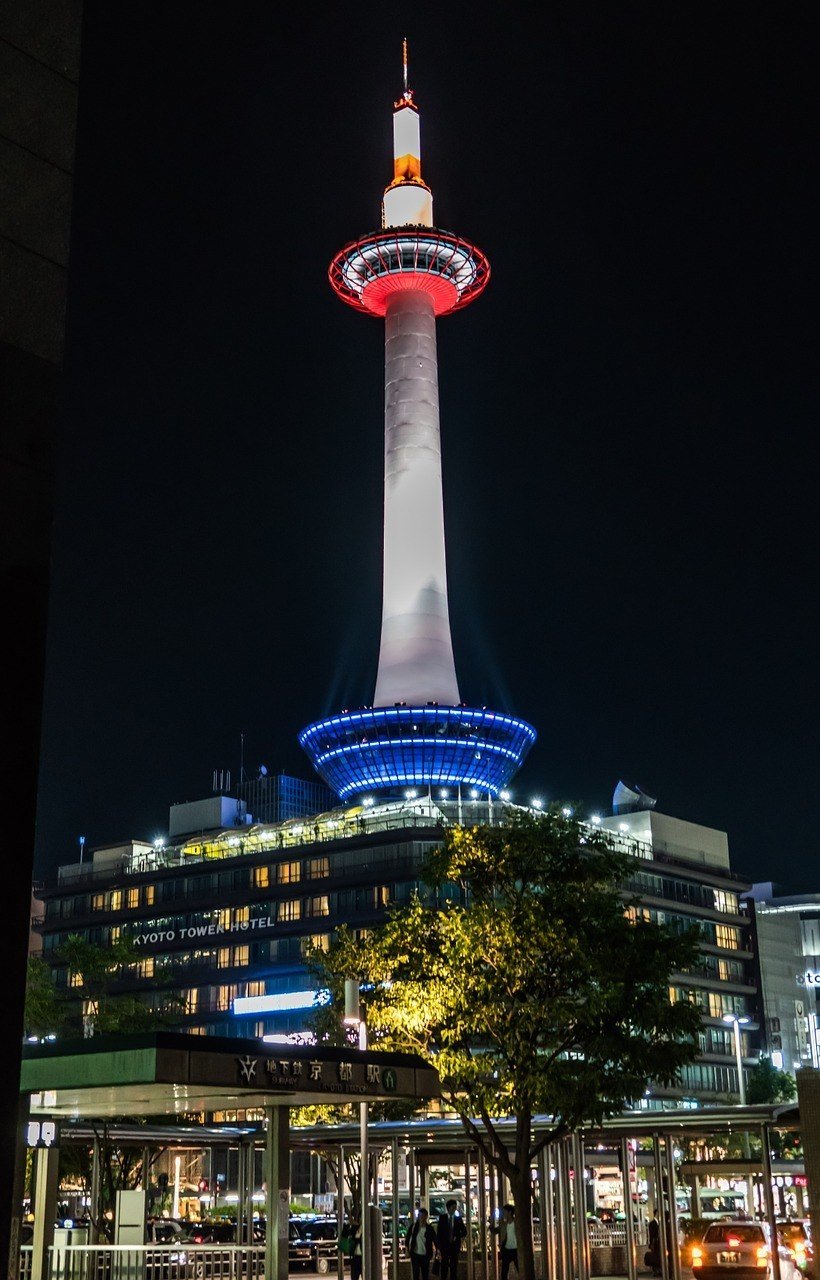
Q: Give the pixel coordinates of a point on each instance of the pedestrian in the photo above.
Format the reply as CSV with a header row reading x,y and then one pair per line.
x,y
353,1235
450,1232
507,1242
421,1245
653,1253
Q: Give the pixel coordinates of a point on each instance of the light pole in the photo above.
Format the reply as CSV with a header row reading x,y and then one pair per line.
x,y
354,1017
737,1020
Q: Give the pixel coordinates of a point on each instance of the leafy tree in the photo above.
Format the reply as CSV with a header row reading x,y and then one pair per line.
x,y
93,971
44,1010
767,1083
521,976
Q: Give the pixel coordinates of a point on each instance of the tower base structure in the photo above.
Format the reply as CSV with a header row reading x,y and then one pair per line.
x,y
392,748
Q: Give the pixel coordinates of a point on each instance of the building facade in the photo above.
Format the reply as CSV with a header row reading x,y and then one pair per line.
x,y
787,929
220,922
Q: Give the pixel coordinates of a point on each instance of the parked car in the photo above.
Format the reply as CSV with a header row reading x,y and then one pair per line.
x,y
739,1248
221,1232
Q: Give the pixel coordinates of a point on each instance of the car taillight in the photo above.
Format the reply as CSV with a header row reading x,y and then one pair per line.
x,y
733,1242
697,1256
762,1255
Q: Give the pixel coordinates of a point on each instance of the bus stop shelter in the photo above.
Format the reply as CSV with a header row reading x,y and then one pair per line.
x,y
160,1073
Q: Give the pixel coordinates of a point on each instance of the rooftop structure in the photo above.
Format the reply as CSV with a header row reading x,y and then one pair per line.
x,y
418,732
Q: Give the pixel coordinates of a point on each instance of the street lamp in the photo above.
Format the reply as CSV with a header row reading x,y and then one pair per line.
x,y
738,1020
354,1017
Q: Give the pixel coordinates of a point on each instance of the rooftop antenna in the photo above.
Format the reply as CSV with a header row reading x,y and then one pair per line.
x,y
404,64
241,758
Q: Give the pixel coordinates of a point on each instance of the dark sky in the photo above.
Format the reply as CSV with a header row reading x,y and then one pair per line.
x,y
629,494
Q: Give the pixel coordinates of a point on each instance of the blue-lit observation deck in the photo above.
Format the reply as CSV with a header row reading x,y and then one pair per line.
x,y
389,748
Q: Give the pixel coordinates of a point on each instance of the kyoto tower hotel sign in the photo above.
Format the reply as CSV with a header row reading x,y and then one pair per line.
x,y
418,733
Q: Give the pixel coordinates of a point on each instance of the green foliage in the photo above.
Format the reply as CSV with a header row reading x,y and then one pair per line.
x,y
93,970
44,1010
767,1083
526,984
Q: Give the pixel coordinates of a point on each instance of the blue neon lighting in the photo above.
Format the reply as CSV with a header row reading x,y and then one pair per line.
x,y
383,748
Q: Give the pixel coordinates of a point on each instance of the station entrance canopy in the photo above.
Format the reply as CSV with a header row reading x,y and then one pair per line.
x,y
165,1073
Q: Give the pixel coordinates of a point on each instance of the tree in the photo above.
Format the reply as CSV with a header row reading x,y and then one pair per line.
x,y
522,977
44,1010
767,1083
93,971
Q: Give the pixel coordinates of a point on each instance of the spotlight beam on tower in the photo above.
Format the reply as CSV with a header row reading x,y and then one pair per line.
x,y
418,730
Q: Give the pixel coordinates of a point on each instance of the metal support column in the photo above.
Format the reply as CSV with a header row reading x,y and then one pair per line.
x,y
250,1184
46,1176
277,1192
240,1193
468,1213
492,1261
674,1251
547,1221
659,1205
631,1258
768,1197
340,1212
394,1173
94,1195
482,1213
580,1199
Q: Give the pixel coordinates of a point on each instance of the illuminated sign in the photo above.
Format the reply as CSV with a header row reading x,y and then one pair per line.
x,y
282,1001
811,978
194,931
42,1133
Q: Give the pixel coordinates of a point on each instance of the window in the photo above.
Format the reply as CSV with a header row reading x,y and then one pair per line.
x,y
116,933
149,893
133,898
98,902
241,915
319,867
223,957
261,877
116,899
381,895
223,918
241,955
289,910
191,999
319,940
318,906
727,936
75,980
725,901
289,872
145,968
255,989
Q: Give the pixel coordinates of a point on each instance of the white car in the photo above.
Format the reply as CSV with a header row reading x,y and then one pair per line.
x,y
740,1249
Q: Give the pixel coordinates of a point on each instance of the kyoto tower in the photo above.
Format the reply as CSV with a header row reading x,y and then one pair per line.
x,y
418,733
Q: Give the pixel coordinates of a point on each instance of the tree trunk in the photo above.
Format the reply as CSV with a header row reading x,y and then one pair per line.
x,y
521,1184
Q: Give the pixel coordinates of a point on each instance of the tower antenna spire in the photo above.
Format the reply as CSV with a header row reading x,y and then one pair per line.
x,y
404,62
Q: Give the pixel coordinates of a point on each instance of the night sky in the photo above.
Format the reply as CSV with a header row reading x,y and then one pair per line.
x,y
629,497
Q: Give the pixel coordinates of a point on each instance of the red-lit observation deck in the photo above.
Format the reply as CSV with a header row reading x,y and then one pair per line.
x,y
370,270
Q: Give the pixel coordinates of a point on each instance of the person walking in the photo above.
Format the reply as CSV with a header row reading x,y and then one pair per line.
x,y
507,1243
653,1253
450,1233
421,1245
353,1234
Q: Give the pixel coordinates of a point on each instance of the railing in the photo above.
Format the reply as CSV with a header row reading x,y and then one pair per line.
x,y
179,1261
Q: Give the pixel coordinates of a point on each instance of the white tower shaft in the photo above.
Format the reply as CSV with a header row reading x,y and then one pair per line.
x,y
416,663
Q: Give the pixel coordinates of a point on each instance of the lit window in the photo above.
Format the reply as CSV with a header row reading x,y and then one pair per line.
x,y
241,915
254,989
727,936
318,906
116,932
319,940
261,877
289,872
381,895
319,867
116,899
289,910
191,999
241,955
223,918
145,968
133,899
98,902
725,901
223,957
75,980
150,892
